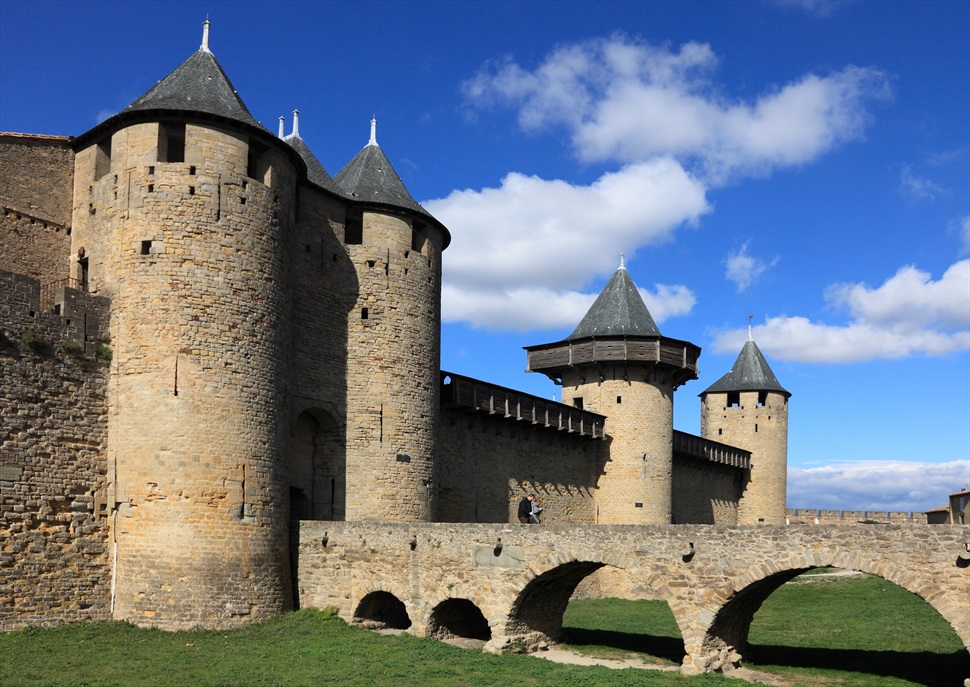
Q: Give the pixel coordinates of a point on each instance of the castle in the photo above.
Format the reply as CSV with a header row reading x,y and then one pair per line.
x,y
205,337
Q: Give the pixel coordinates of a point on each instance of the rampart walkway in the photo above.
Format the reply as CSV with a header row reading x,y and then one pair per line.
x,y
510,584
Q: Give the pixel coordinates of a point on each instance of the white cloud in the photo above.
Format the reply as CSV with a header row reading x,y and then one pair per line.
x,y
628,101
877,485
521,253
909,314
916,188
744,269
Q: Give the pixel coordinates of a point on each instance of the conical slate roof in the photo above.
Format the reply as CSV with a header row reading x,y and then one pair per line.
x,y
197,85
618,311
370,177
314,170
750,373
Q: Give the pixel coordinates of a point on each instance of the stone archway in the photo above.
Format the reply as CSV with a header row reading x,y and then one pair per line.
x,y
382,611
316,468
458,618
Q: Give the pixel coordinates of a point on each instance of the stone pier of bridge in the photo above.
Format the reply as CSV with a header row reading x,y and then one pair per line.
x,y
509,584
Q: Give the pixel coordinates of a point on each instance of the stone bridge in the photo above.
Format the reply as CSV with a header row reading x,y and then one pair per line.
x,y
509,584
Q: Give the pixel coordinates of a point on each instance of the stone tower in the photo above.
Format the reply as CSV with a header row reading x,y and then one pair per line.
x,y
181,203
748,407
618,364
393,351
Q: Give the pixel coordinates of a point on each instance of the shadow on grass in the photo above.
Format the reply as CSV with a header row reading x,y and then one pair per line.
x,y
920,667
670,648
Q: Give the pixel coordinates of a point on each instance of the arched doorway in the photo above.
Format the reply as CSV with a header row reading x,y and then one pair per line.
x,y
317,468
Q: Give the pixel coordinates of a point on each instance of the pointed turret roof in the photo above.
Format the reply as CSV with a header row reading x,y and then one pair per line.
x,y
618,310
198,85
314,170
751,372
369,177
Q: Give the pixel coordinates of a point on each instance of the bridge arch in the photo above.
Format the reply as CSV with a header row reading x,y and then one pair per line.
x,y
455,617
381,610
732,608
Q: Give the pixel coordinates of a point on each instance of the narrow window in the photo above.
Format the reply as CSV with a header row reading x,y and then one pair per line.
x,y
151,188
762,398
259,165
146,247
171,142
354,228
191,190
578,402
151,170
619,400
733,399
720,431
102,158
756,427
363,313
419,238
192,170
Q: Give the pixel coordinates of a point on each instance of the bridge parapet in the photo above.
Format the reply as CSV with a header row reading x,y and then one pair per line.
x,y
521,577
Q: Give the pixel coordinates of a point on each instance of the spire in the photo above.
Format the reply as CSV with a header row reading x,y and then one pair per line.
x,y
296,123
373,132
314,170
205,36
619,310
282,120
751,372
750,317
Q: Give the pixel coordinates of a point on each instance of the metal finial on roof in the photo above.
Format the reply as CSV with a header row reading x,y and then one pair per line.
x,y
750,317
296,123
282,119
373,132
622,266
205,36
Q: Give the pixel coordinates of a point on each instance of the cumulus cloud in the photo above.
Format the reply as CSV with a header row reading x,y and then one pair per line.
x,y
909,314
916,188
628,101
532,244
744,269
877,485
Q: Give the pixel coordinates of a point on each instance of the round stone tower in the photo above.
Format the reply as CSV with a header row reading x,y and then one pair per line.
x,y
748,408
180,203
393,351
618,364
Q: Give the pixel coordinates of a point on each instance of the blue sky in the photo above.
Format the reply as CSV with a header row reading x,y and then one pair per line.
x,y
805,163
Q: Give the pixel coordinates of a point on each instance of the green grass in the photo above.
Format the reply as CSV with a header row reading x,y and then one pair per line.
x,y
844,632
304,648
813,632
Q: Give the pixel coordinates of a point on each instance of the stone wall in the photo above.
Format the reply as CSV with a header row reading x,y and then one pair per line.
x,y
488,464
55,555
705,493
817,516
714,578
38,176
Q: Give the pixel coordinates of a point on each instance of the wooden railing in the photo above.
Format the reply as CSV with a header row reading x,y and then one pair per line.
x,y
711,451
465,392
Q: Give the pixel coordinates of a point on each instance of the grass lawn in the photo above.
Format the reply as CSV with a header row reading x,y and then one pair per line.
x,y
849,632
816,631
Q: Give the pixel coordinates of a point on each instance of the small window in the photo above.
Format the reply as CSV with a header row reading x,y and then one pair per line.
x,y
733,399
191,190
578,402
151,170
151,188
354,228
619,400
146,247
762,398
720,431
192,170
363,313
171,142
756,427
102,158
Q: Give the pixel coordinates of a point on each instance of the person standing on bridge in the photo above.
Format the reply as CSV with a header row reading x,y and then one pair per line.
x,y
525,509
536,512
